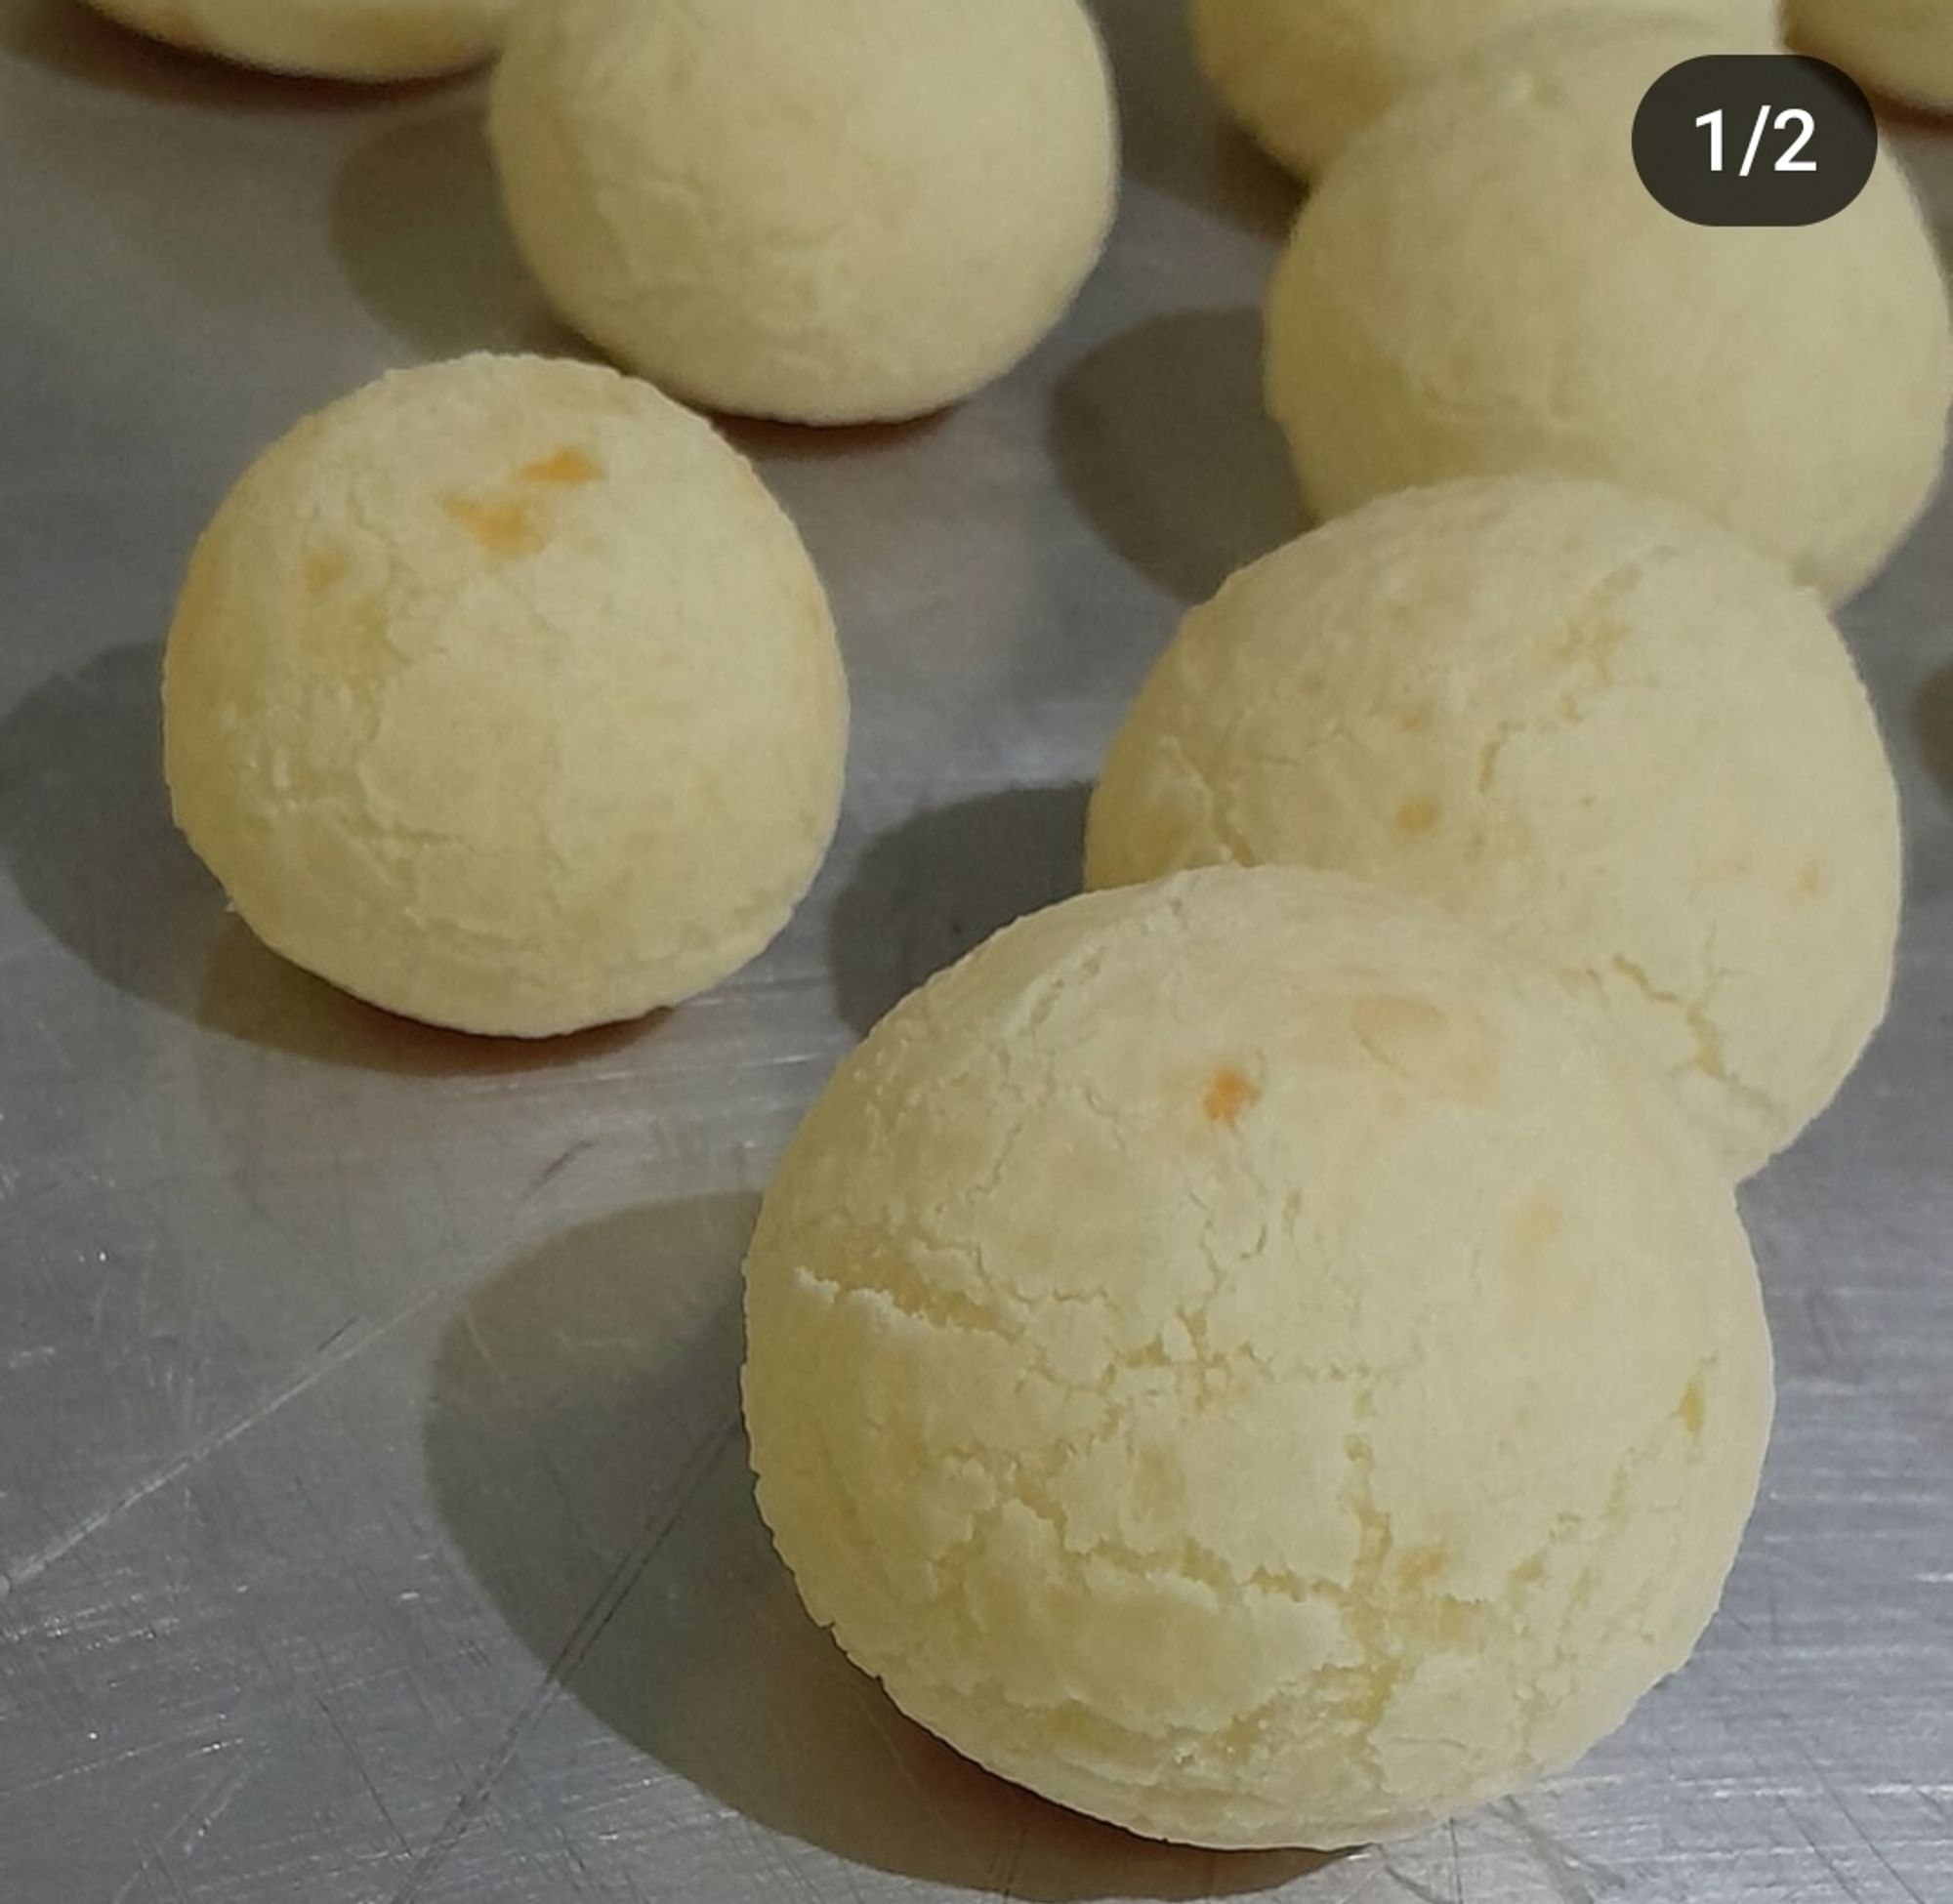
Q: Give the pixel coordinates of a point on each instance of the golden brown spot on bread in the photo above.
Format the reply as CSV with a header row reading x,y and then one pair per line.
x,y
1229,1093
1415,721
1810,881
502,528
1692,1409
1418,817
324,564
1594,642
567,467
1439,1054
1419,1565
1540,1221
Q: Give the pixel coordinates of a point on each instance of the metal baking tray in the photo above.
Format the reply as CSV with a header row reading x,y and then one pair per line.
x,y
374,1516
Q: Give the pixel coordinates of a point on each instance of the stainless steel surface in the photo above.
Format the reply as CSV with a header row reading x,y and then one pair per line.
x,y
373,1511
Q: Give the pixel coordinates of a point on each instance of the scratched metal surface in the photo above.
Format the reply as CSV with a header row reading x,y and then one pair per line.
x,y
374,1523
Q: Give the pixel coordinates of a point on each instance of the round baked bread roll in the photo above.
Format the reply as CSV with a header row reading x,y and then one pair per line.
x,y
833,211
1595,726
502,695
1250,1360
1305,76
330,39
1900,47
1484,284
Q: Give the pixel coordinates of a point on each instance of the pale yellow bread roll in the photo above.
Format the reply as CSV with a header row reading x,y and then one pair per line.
x,y
1593,725
832,211
502,695
1482,284
1250,1360
1305,76
329,39
1900,47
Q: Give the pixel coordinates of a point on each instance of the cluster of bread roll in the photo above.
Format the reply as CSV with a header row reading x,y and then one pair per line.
x,y
501,694
1264,1352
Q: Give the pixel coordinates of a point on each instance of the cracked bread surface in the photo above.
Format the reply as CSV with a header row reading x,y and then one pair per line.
x,y
1250,1359
1589,723
502,695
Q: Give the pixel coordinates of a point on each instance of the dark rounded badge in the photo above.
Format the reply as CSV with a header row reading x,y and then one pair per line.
x,y
1755,139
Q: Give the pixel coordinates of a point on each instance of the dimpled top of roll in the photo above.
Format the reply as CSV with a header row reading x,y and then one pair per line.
x,y
1593,725
337,39
1484,284
1305,76
829,211
1247,1359
1902,47
502,695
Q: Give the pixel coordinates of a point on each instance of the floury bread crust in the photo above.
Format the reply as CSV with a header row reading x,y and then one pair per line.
x,y
1482,285
332,39
1247,1359
503,694
828,211
1597,727
1305,76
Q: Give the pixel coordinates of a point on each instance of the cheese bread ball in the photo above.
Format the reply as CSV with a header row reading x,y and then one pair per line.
x,y
833,211
502,695
1900,47
1250,1360
1482,284
1305,76
1595,726
332,39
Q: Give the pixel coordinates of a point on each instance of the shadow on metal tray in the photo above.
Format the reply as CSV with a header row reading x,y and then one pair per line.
x,y
1162,438
417,227
86,835
584,1446
1934,723
929,889
1177,139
